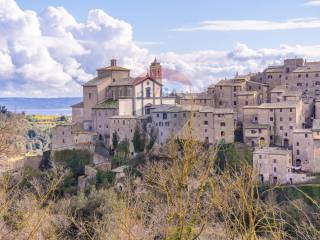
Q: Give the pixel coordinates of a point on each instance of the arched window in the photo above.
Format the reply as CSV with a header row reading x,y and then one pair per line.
x,y
148,92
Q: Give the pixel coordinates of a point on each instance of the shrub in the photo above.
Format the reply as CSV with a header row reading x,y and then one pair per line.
x,y
104,178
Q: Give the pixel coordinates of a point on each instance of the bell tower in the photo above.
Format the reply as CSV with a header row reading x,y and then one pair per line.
x,y
156,71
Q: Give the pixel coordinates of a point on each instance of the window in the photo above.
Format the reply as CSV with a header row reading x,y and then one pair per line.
x,y
184,115
220,87
206,114
235,103
148,92
89,95
281,127
62,140
157,115
291,127
306,135
274,160
222,133
175,115
234,88
299,84
281,119
99,126
291,109
299,75
205,122
307,75
260,131
113,80
205,130
290,119
275,169
123,122
222,124
194,115
164,116
271,119
63,133
317,74
253,131
298,152
280,110
297,143
246,103
220,103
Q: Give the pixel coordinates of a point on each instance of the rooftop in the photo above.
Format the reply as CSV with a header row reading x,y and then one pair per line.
x,y
272,151
78,105
96,81
109,103
309,67
114,68
286,104
123,117
274,69
190,108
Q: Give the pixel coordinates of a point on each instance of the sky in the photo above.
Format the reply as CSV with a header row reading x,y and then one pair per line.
x,y
49,48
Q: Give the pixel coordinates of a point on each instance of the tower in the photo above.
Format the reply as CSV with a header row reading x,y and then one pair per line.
x,y
156,71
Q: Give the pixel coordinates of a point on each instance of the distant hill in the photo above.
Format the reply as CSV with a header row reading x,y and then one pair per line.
x,y
45,106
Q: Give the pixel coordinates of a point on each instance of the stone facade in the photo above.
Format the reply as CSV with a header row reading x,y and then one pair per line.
x,y
205,124
282,118
272,164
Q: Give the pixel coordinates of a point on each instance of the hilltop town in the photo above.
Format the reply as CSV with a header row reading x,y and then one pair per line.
x,y
276,113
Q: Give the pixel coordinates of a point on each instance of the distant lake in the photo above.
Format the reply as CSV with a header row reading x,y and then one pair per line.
x,y
43,106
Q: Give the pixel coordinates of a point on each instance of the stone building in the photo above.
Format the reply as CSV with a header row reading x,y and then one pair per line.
x,y
113,93
124,127
273,165
246,98
225,91
306,148
205,124
201,99
282,118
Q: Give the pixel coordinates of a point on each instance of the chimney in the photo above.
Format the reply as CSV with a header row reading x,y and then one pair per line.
x,y
113,62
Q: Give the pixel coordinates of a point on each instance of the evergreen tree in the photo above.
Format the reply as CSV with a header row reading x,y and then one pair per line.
x,y
115,140
138,141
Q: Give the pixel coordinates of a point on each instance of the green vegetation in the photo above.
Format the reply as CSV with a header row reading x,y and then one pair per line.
x,y
109,103
104,178
121,153
138,141
115,140
73,161
233,155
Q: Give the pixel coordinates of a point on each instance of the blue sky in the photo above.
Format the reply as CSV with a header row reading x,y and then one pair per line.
x,y
153,20
49,48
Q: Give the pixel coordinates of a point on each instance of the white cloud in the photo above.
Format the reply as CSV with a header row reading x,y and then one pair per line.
x,y
252,25
202,68
50,54
312,3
